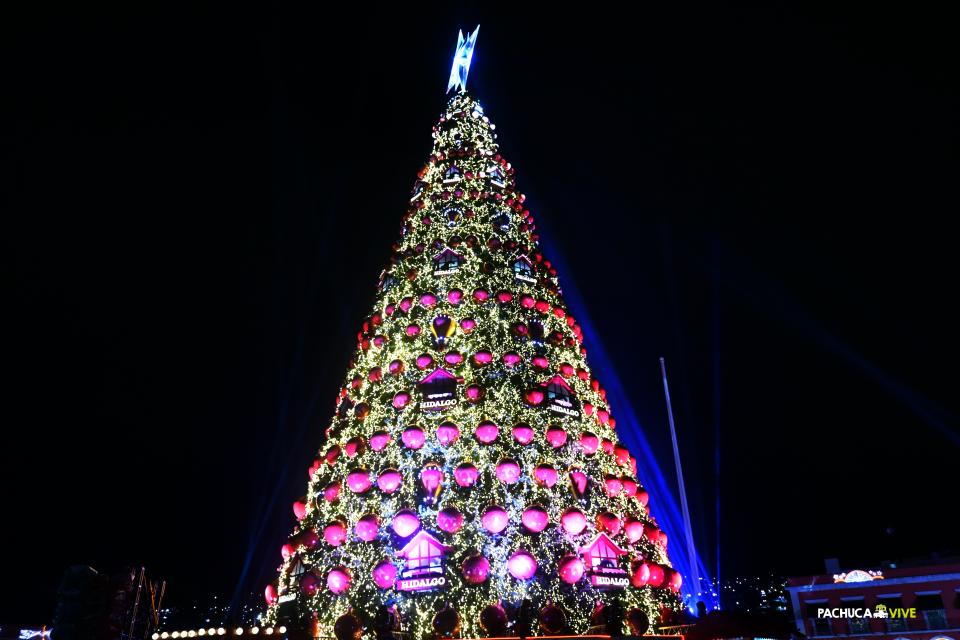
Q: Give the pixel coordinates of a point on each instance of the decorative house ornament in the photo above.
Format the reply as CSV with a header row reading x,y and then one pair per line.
x,y
559,397
601,556
424,557
858,575
438,391
446,262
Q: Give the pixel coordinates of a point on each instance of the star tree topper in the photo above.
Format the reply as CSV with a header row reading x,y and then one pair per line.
x,y
461,60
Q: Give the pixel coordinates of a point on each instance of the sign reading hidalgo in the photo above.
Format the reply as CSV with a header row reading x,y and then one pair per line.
x,y
421,584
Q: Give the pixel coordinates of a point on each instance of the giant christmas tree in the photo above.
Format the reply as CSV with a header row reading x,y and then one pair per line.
x,y
471,482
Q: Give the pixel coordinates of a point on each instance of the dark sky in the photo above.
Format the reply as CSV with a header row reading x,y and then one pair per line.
x,y
197,206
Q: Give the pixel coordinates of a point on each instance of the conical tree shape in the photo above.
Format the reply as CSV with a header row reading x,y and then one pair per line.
x,y
471,475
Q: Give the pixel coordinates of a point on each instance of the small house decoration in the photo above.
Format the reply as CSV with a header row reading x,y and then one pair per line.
x,y
601,558
424,557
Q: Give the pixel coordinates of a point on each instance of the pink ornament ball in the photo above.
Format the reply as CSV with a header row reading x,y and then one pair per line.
x,y
494,519
466,474
395,367
522,565
449,520
401,400
573,521
487,432
481,358
474,393
309,538
510,359
534,396
522,433
570,568
287,550
385,574
331,493
613,486
413,437
475,569
481,295
358,481
431,476
447,433
641,574
309,584
379,441
405,523
629,486
424,361
508,471
335,533
656,575
675,581
454,296
389,480
367,528
270,594
634,530
556,437
609,522
468,325
642,497
545,475
300,509
535,519
338,580
413,330
589,443
540,362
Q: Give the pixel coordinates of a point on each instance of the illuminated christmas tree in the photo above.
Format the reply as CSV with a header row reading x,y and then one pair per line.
x,y
471,482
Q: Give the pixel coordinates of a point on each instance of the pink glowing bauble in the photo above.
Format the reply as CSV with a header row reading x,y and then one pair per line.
x,y
332,454
527,301
522,433
510,359
338,580
405,523
566,369
287,550
447,433
540,362
331,492
385,574
395,367
578,482
573,521
494,519
401,400
545,475
535,519
466,474
534,396
641,574
607,446
413,330
504,297
270,594
413,437
508,471
309,584
622,454
453,358
675,581
521,565
379,440
474,392
653,534
487,432
406,304
475,569
663,539
358,481
556,436
449,520
300,509
642,497
454,296
431,476
480,295
613,486
634,530
570,568
629,486
335,533
309,538
468,325
482,357
428,300
389,480
353,447
424,361
656,575
609,522
367,527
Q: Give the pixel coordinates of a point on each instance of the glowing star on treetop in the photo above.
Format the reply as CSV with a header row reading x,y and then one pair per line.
x,y
461,60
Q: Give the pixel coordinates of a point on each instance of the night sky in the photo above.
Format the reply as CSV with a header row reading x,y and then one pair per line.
x,y
197,207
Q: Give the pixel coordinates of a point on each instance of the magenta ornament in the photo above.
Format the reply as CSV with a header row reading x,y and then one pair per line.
x,y
335,533
487,432
358,481
385,574
570,568
413,437
545,475
535,519
449,520
573,521
466,474
447,433
431,476
508,471
475,569
389,480
522,565
380,440
405,523
494,519
367,527
556,437
522,433
338,580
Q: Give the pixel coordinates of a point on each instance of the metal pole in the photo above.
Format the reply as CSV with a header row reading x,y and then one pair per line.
x,y
136,603
691,549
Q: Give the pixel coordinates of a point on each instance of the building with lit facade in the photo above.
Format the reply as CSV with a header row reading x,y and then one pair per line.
x,y
920,602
